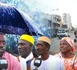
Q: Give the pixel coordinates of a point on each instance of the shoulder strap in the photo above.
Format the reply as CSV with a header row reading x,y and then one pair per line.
x,y
74,61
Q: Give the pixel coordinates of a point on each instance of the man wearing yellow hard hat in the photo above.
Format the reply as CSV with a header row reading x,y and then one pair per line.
x,y
25,44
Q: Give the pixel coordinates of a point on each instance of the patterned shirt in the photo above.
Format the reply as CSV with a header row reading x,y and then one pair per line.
x,y
68,62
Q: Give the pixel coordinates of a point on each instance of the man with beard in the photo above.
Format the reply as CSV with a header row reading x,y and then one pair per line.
x,y
49,62
12,61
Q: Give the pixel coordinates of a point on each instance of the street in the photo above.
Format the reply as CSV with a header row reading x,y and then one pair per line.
x,y
55,44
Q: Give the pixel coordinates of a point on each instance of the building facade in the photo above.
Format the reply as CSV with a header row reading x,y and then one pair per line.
x,y
67,20
54,22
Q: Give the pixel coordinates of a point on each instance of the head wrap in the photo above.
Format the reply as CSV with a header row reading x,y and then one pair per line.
x,y
27,38
45,39
70,41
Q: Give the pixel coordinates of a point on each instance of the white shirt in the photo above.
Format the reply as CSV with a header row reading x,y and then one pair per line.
x,y
52,63
24,60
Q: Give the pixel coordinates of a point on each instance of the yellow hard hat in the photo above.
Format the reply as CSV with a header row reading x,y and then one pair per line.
x,y
27,38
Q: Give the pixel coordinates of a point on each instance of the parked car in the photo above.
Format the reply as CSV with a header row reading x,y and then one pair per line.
x,y
75,40
75,33
63,33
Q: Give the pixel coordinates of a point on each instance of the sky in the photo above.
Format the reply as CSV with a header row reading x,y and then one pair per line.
x,y
53,7
59,7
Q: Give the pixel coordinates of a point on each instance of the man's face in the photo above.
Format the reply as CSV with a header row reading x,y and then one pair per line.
x,y
2,44
41,48
24,48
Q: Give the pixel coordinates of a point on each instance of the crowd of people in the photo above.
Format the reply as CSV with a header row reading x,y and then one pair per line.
x,y
26,59
65,60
